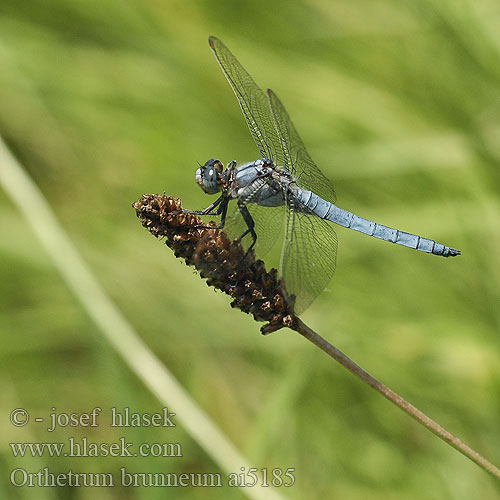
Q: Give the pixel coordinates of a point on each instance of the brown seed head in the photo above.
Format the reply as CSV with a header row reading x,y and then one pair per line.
x,y
220,260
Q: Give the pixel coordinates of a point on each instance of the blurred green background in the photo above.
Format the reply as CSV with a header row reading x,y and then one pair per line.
x,y
399,105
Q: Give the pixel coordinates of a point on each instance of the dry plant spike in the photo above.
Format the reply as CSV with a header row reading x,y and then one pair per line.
x,y
221,261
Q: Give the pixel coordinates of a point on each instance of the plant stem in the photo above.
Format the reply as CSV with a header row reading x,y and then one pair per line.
x,y
415,413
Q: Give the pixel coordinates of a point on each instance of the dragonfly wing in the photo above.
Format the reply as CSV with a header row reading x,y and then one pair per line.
x,y
308,256
297,160
309,251
252,100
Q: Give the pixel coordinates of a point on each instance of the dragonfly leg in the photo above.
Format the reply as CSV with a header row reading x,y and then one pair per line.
x,y
250,226
221,210
208,210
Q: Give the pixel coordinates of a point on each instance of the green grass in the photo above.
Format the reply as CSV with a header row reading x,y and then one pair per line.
x,y
399,105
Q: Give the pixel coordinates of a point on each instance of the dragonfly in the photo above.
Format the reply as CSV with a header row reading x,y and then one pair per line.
x,y
284,195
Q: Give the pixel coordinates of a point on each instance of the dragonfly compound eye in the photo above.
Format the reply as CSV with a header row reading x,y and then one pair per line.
x,y
208,176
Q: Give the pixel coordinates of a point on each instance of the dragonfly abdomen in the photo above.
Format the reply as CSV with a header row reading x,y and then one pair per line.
x,y
328,211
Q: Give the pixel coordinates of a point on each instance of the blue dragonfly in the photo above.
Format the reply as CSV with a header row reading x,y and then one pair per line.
x,y
285,187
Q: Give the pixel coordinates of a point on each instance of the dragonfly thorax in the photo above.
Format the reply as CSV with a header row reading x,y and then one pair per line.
x,y
208,176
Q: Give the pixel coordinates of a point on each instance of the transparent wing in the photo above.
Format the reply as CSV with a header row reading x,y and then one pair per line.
x,y
308,257
309,251
296,158
252,100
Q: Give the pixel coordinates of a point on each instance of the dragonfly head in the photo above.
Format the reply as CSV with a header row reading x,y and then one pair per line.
x,y
208,176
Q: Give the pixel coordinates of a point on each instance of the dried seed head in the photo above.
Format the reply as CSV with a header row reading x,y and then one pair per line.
x,y
220,260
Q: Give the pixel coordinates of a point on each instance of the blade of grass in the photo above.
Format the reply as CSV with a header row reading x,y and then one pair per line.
x,y
30,201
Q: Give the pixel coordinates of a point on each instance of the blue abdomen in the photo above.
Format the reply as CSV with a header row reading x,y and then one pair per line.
x,y
312,203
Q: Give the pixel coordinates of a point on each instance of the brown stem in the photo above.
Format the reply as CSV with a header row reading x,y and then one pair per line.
x,y
415,413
